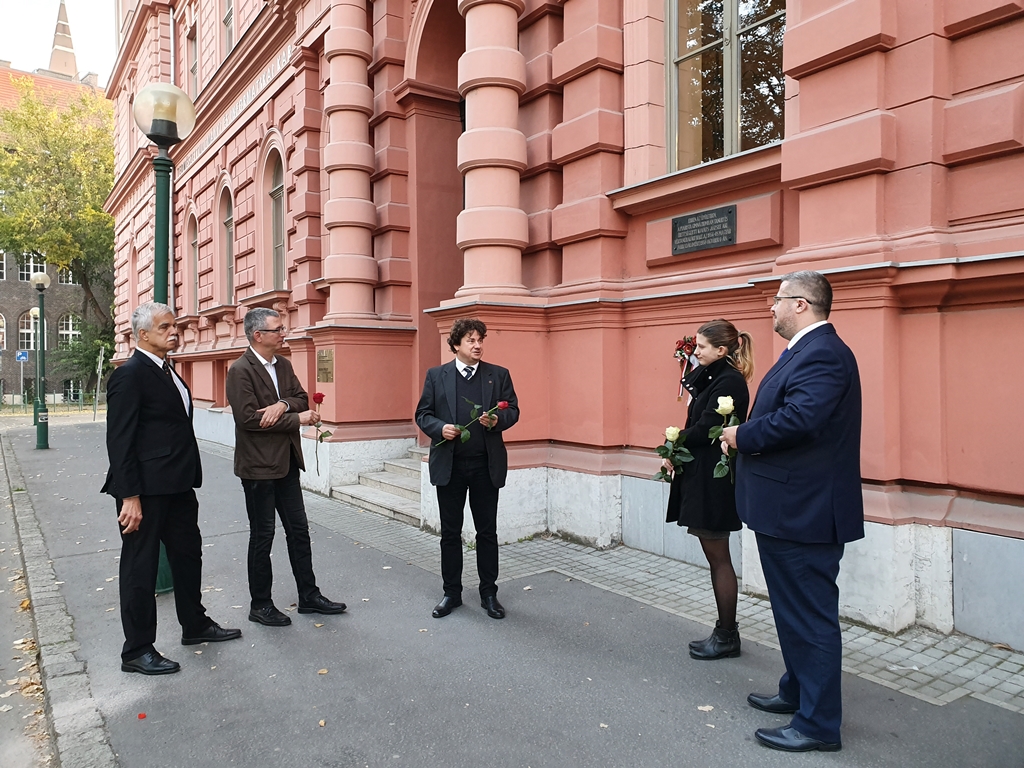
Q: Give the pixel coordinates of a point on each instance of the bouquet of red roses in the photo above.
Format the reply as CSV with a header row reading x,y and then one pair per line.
x,y
687,362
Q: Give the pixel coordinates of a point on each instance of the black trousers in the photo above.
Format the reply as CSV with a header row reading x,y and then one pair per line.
x,y
475,480
262,499
173,520
801,580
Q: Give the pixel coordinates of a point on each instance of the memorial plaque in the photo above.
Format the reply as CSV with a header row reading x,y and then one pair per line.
x,y
714,228
324,366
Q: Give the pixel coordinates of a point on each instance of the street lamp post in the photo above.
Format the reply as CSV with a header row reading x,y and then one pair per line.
x,y
167,116
41,281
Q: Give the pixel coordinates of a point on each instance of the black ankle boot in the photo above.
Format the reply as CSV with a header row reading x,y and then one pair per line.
x,y
723,644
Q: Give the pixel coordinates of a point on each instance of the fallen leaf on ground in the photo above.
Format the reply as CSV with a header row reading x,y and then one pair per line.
x,y
603,725
1002,647
526,588
323,723
198,653
6,708
322,672
423,630
25,604
318,625
705,708
6,694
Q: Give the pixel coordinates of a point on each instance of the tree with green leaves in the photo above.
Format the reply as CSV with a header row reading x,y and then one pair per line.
x,y
56,171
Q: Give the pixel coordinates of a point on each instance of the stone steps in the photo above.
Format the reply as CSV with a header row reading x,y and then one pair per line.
x,y
394,493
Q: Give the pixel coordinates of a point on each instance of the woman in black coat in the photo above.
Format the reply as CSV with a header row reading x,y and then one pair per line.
x,y
698,500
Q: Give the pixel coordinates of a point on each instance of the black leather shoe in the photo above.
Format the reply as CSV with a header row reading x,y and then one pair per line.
x,y
492,606
269,616
789,739
723,644
151,663
774,704
214,633
448,604
321,604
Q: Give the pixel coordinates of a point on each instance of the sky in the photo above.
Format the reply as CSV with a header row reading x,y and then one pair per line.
x,y
27,26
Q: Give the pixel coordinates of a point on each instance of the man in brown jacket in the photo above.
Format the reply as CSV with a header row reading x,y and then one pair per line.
x,y
269,406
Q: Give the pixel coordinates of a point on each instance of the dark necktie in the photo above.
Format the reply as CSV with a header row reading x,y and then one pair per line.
x,y
783,355
167,369
467,372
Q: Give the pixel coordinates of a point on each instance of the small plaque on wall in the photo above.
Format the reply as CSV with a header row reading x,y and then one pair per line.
x,y
325,366
713,228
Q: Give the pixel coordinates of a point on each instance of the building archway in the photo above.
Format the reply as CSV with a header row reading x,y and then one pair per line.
x,y
430,95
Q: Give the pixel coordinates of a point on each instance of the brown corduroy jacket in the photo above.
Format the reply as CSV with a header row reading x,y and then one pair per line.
x,y
265,453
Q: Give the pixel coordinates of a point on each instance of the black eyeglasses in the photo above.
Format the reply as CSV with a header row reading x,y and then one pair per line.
x,y
777,299
272,330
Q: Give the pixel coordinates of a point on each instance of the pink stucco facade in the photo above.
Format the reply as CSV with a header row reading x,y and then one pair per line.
x,y
513,160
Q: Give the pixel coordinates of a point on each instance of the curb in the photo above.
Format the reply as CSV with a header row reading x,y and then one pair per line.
x,y
77,731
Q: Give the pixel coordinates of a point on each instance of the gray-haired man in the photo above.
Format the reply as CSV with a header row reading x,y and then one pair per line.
x,y
269,405
154,469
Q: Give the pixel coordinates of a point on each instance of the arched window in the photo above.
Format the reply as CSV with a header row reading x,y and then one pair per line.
x,y
193,263
227,213
3,333
277,221
26,331
69,328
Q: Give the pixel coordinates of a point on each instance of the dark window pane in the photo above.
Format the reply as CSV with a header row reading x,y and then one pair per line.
x,y
701,123
752,11
700,23
762,87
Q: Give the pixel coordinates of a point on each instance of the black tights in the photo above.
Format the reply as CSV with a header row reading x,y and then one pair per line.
x,y
723,579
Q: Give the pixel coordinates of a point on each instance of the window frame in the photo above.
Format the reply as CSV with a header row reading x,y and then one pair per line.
x,y
66,276
3,332
732,62
193,249
65,336
228,22
3,265
31,346
277,223
34,267
228,233
192,60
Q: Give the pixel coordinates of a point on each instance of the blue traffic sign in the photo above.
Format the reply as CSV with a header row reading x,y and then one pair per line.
x,y
21,356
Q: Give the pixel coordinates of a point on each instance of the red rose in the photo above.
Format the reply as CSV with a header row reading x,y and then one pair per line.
x,y
502,405
318,397
680,344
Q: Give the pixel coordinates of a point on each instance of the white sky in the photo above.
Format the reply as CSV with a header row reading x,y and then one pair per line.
x,y
27,26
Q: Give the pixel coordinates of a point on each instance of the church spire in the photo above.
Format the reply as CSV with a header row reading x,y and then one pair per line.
x,y
62,58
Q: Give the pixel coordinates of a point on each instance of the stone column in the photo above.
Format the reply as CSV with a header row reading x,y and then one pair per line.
x,y
349,214
492,229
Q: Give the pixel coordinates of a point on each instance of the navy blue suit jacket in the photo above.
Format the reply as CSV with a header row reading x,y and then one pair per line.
x,y
798,469
437,408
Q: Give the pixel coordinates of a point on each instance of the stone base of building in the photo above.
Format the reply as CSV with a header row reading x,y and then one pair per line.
x,y
898,575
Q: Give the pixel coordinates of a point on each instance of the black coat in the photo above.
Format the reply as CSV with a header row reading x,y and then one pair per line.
x,y
698,499
150,442
437,407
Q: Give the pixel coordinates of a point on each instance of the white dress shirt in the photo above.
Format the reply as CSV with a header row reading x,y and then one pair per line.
x,y
461,367
182,389
800,334
271,368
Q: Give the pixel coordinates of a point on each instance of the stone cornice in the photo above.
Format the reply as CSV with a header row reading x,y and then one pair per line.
x,y
134,174
126,56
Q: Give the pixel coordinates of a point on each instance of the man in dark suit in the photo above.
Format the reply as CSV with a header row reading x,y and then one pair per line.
x,y
798,487
154,469
477,466
269,405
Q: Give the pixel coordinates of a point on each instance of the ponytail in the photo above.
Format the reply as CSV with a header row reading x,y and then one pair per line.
x,y
722,333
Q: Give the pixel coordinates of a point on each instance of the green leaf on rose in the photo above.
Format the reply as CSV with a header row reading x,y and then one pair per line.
x,y
662,451
721,469
715,433
323,436
683,454
465,435
734,421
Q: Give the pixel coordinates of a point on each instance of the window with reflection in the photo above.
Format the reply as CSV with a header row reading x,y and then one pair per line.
x,y
3,333
26,331
277,221
193,250
227,212
728,86
229,26
69,330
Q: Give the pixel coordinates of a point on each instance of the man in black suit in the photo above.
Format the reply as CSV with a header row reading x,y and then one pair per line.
x,y
798,487
154,469
477,466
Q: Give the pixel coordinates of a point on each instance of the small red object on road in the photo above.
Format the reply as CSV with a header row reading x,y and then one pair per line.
x,y
142,715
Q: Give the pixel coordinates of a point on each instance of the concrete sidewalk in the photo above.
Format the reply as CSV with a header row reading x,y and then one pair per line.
x,y
589,668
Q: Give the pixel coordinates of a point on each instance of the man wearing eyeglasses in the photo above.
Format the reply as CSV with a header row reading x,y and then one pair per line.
x,y
798,487
269,406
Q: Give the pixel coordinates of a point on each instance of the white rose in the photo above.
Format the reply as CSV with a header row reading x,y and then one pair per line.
x,y
725,406
672,434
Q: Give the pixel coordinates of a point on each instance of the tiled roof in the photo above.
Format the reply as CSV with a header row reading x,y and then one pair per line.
x,y
63,91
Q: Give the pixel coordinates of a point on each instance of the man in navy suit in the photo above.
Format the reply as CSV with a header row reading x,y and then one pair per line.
x,y
798,487
154,471
477,466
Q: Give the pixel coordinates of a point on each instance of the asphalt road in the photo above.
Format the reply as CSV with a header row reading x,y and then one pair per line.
x,y
575,676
